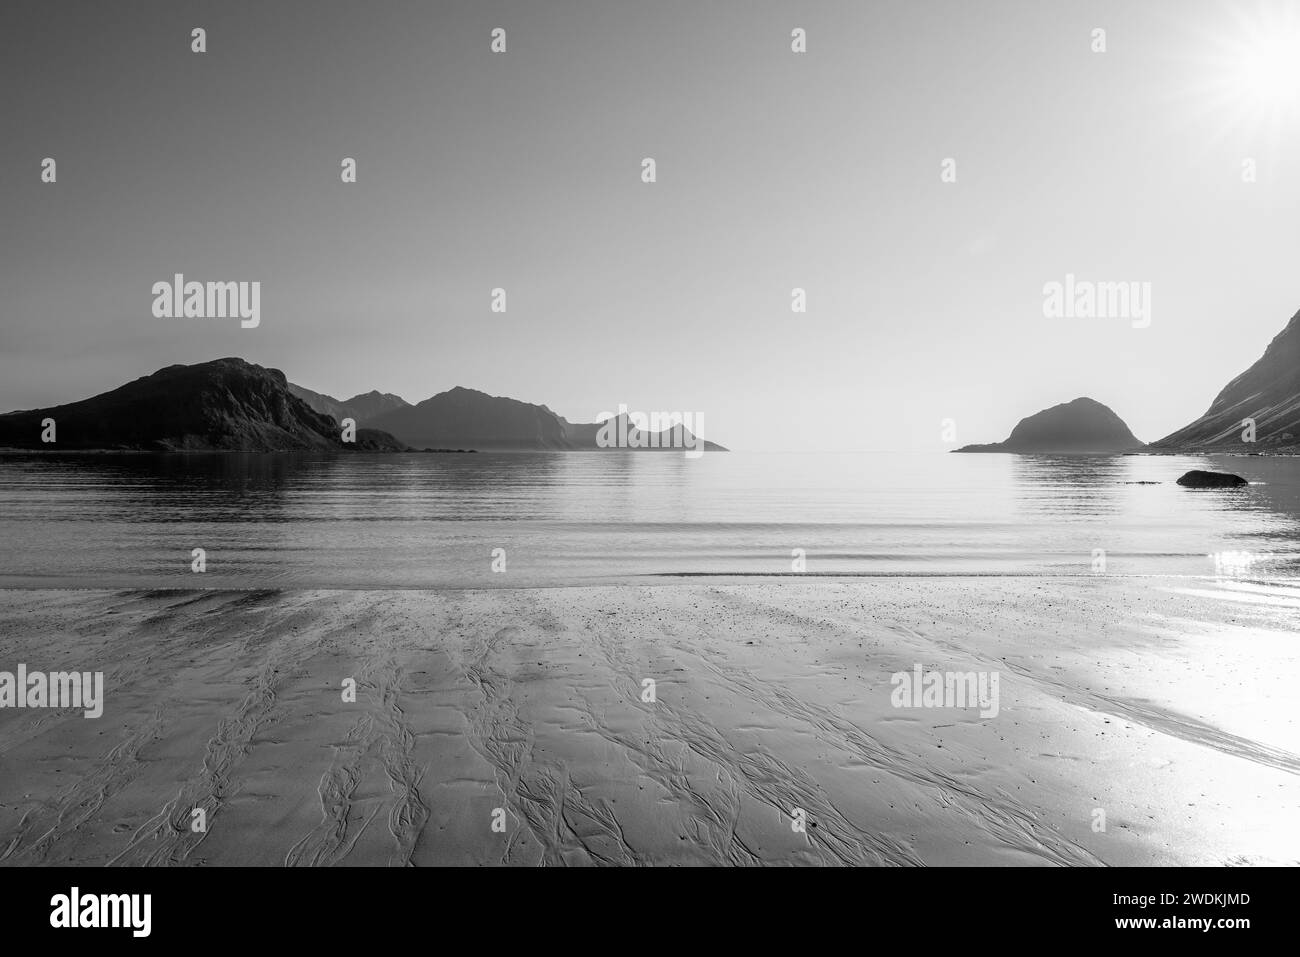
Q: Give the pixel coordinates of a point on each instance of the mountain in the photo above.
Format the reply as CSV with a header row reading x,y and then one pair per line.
x,y
226,404
324,404
372,404
360,408
468,418
234,405
586,436
1268,392
465,418
1081,426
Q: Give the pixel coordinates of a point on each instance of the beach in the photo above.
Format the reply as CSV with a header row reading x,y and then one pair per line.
x,y
515,726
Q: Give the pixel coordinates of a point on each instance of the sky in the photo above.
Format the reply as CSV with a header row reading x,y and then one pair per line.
x,y
775,170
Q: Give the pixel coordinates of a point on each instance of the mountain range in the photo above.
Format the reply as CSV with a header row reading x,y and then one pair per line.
x,y
472,419
360,408
463,416
234,405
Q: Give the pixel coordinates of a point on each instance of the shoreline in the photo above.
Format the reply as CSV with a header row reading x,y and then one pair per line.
x,y
658,579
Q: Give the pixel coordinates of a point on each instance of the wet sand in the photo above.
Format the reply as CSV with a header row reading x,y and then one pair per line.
x,y
1167,703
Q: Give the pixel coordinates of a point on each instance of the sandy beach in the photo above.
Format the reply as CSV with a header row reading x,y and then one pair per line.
x,y
1128,695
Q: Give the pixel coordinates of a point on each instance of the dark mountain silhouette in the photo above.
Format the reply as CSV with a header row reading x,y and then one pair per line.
x,y
1268,392
464,418
360,408
324,404
372,404
468,418
226,404
233,405
1081,426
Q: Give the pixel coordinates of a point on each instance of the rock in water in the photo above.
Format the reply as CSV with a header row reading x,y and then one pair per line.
x,y
1196,478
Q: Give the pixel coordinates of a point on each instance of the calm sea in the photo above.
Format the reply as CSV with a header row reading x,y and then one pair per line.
x,y
423,520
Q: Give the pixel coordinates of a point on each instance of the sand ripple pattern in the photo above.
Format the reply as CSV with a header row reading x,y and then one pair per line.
x,y
528,707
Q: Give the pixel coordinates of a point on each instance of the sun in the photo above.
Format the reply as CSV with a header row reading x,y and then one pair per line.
x,y
1256,70
1267,68
1242,76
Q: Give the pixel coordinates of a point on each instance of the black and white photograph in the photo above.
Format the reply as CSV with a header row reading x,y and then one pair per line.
x,y
676,434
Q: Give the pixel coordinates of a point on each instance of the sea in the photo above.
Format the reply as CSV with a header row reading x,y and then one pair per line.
x,y
428,520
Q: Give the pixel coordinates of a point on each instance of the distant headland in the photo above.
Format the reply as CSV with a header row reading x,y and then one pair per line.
x,y
237,406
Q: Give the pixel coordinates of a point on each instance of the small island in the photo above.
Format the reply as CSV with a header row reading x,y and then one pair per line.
x,y
1081,427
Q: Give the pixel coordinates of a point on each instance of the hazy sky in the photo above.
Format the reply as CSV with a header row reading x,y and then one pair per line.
x,y
775,170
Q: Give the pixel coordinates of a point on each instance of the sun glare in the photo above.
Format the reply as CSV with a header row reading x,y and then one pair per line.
x,y
1256,74
1244,75
1268,70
